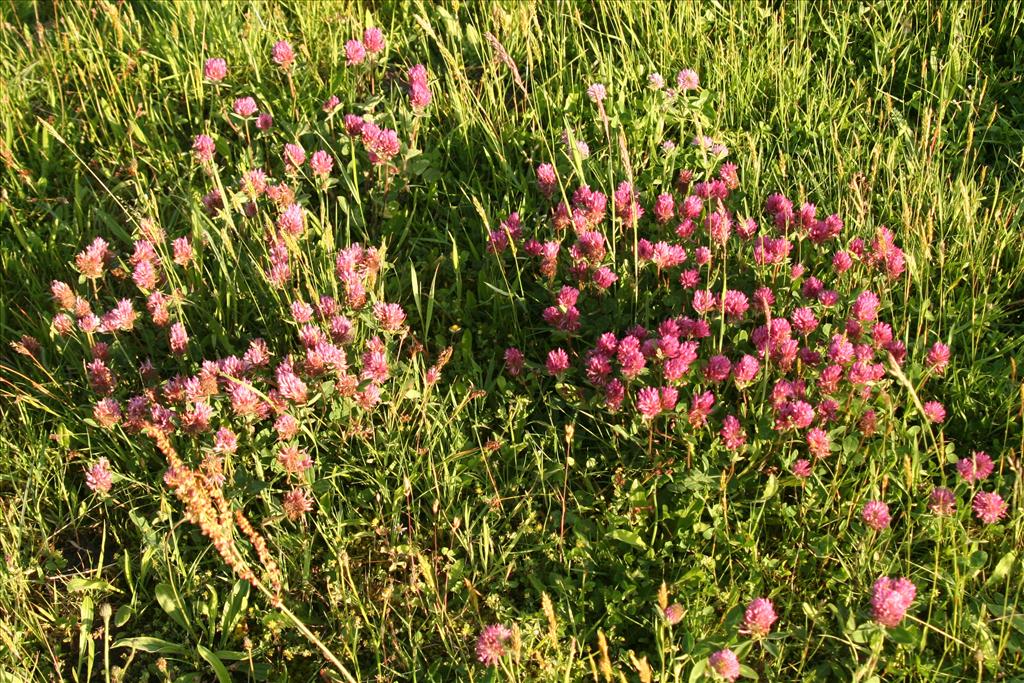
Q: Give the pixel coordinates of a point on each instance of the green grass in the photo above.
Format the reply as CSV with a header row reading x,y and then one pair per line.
x,y
462,507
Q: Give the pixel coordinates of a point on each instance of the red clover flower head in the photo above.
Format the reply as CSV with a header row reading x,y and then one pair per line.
x,y
687,79
759,617
989,507
942,502
215,69
490,646
355,52
876,514
99,478
724,665
245,106
890,600
978,467
283,54
373,40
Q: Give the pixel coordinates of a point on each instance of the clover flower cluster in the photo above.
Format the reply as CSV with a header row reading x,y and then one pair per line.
x,y
144,352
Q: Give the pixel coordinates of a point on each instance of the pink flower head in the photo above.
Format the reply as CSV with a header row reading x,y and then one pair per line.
x,y
355,52
547,180
179,339
802,468
490,646
225,441
725,665
283,54
294,155
975,468
818,442
330,104
203,148
107,412
291,220
876,514
942,502
865,308
674,614
664,208
514,361
890,600
732,433
99,478
934,411
215,69
989,507
390,316
321,163
938,357
759,617
558,362
264,121
373,40
419,87
91,261
297,503
182,251
294,460
687,79
245,106
597,92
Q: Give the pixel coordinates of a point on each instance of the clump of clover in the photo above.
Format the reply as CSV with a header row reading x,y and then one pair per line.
x,y
667,304
316,337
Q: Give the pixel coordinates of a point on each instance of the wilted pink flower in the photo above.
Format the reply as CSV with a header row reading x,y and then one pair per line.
x,y
890,600
297,503
876,514
286,427
818,442
490,646
90,262
373,40
264,121
182,251
294,460
215,69
938,357
179,339
989,507
245,106
64,324
725,665
355,52
390,316
558,362
674,614
283,54
107,412
934,411
975,468
759,617
687,79
514,361
99,478
321,163
942,502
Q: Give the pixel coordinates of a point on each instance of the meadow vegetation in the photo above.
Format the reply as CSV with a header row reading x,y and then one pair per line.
x,y
511,341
